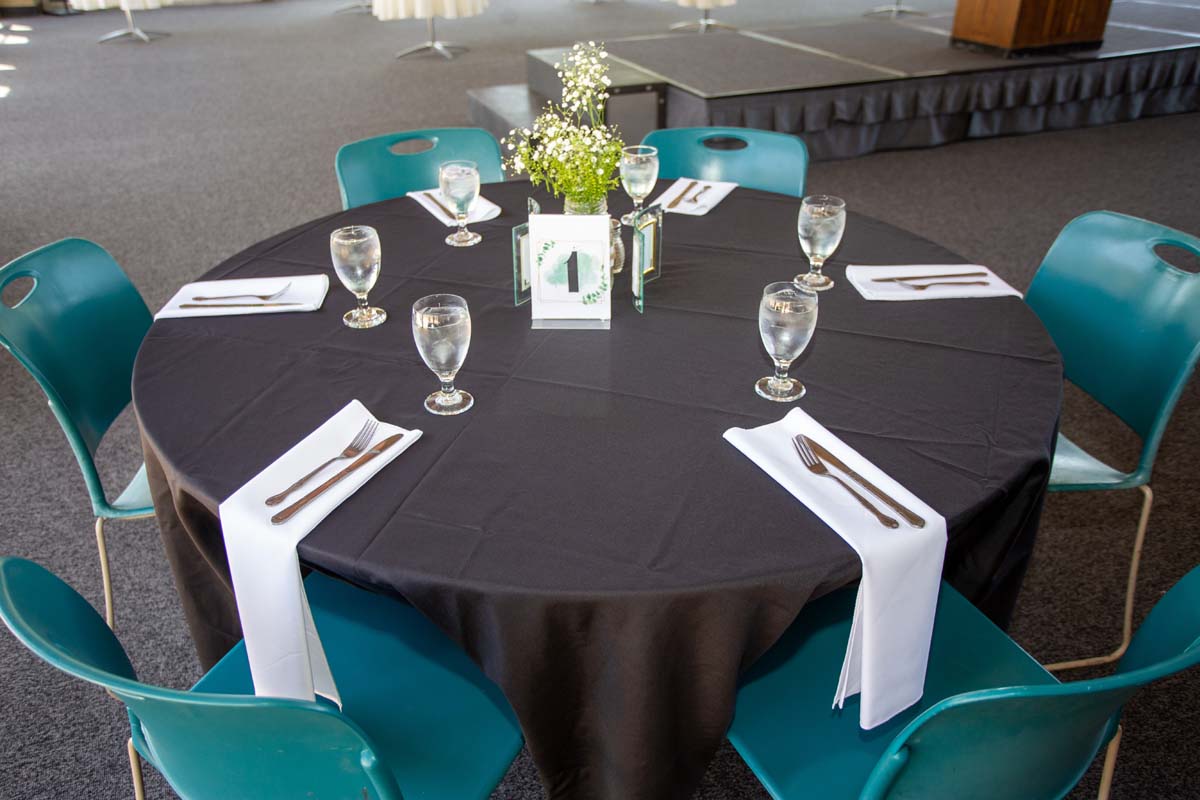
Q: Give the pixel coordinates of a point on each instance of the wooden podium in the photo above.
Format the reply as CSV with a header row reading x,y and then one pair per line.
x,y
1015,27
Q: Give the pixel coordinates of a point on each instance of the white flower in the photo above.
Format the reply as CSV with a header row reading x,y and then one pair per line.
x,y
570,149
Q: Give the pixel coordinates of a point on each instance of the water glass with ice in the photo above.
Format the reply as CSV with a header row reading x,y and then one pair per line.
x,y
639,173
787,316
441,326
459,185
356,256
820,227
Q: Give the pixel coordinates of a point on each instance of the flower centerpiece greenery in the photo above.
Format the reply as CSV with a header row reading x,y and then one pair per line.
x,y
569,149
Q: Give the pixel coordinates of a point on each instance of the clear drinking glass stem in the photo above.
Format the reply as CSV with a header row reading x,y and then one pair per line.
x,y
781,381
628,218
462,225
448,393
815,264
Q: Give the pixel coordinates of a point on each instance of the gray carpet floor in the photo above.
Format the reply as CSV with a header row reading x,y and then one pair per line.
x,y
178,154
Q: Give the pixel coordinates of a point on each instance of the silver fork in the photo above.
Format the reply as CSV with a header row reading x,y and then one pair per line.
x,y
263,297
357,445
817,467
696,197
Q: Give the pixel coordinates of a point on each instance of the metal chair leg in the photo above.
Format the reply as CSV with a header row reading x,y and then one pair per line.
x,y
135,769
1110,766
1130,590
447,50
105,577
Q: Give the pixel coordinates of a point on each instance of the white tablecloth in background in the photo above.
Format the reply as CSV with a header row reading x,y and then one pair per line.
x,y
424,9
124,5
703,4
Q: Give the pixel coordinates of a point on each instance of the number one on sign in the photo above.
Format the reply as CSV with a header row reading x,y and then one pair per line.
x,y
573,272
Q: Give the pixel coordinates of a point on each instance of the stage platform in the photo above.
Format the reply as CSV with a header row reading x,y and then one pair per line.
x,y
855,86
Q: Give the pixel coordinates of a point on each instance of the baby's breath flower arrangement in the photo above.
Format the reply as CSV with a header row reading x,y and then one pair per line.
x,y
569,149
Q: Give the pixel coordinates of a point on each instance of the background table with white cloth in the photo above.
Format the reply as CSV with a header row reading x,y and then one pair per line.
x,y
584,532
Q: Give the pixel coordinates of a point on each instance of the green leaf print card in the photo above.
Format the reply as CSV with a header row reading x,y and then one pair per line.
x,y
571,280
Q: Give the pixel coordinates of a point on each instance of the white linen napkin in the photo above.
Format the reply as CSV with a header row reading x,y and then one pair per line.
x,y
306,291
888,649
282,645
481,211
708,201
863,278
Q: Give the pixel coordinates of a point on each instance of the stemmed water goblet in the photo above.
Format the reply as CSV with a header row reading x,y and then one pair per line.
x,y
356,255
459,184
441,326
639,173
820,227
787,316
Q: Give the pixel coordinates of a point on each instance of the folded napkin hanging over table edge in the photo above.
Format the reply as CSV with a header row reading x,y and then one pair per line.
x,y
283,646
887,655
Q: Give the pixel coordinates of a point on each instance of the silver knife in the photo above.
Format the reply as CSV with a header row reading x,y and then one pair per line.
x,y
909,517
237,305
928,277
440,205
290,511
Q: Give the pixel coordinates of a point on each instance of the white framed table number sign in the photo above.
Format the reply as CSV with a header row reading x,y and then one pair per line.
x,y
571,284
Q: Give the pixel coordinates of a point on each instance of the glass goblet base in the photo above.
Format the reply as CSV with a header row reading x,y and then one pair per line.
x,y
814,281
463,238
786,390
364,317
446,404
627,220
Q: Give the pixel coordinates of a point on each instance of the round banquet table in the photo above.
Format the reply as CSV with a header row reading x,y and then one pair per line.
x,y
584,532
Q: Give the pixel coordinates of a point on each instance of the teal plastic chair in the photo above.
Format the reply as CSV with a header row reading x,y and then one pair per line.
x,y
368,171
1128,326
1032,739
418,716
77,332
772,162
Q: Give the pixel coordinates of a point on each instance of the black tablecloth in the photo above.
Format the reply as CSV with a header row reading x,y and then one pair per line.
x,y
584,532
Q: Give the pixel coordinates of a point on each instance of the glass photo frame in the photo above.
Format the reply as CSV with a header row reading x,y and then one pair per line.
x,y
522,263
646,264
